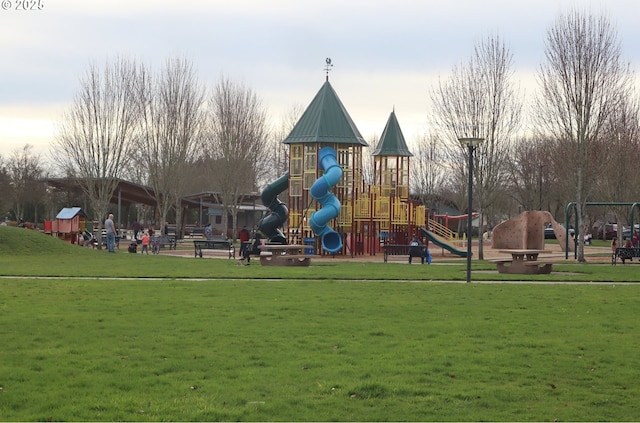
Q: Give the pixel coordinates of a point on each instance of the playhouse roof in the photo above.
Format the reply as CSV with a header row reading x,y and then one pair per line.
x,y
325,121
392,141
70,213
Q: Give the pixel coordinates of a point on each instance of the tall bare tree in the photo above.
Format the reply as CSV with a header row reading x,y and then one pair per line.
x,y
480,100
95,136
171,128
620,146
582,80
238,144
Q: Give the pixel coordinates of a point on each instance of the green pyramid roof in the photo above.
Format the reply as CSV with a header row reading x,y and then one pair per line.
x,y
392,141
325,121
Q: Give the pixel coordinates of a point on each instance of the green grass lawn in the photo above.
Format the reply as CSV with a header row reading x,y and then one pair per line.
x,y
332,342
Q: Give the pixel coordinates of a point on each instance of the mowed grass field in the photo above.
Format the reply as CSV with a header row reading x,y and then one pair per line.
x,y
91,336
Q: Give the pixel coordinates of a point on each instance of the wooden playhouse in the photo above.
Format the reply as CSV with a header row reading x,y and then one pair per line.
x,y
68,224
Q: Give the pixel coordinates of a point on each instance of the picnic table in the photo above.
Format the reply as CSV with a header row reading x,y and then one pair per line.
x,y
523,261
284,255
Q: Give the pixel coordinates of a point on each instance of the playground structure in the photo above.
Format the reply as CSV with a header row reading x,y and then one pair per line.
x,y
329,203
526,231
68,224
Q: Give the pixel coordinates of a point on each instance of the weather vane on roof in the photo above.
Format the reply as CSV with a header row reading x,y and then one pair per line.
x,y
327,67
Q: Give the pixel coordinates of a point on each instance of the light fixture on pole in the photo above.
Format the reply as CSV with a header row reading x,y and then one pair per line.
x,y
471,144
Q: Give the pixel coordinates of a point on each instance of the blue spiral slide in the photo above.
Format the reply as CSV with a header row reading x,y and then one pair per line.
x,y
321,192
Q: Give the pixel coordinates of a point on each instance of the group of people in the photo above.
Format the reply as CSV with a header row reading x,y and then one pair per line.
x,y
140,236
87,239
144,240
632,242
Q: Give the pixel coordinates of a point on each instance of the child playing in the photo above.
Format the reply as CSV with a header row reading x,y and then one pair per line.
x,y
145,243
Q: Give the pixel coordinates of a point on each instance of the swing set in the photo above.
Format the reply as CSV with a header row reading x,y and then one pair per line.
x,y
573,207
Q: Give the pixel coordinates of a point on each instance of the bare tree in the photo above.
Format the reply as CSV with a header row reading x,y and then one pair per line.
x,y
527,176
427,171
582,83
171,127
94,139
278,151
5,189
368,159
24,169
621,139
238,144
620,145
479,100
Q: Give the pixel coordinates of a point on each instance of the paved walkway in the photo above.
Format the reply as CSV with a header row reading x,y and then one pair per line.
x,y
593,254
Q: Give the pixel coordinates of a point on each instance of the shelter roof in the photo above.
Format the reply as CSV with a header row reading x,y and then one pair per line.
x,y
325,121
70,213
127,192
392,141
212,199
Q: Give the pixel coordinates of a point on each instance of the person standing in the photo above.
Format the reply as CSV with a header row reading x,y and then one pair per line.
x,y
145,243
137,227
111,233
244,240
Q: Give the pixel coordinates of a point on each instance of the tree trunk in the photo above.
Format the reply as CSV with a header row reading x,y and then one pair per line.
x,y
579,231
480,237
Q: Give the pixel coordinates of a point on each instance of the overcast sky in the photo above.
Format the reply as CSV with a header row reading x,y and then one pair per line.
x,y
386,53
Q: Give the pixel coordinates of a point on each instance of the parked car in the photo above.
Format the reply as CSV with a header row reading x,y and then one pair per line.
x,y
608,231
549,233
626,232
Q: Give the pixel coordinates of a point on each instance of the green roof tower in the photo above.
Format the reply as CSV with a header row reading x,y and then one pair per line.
x,y
391,161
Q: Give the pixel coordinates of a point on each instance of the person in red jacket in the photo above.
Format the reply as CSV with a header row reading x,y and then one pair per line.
x,y
145,243
243,235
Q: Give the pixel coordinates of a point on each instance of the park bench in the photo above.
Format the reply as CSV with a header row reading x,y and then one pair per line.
x,y
402,250
161,241
214,244
196,232
623,254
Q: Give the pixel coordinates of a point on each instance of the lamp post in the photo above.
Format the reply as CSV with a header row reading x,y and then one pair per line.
x,y
471,144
